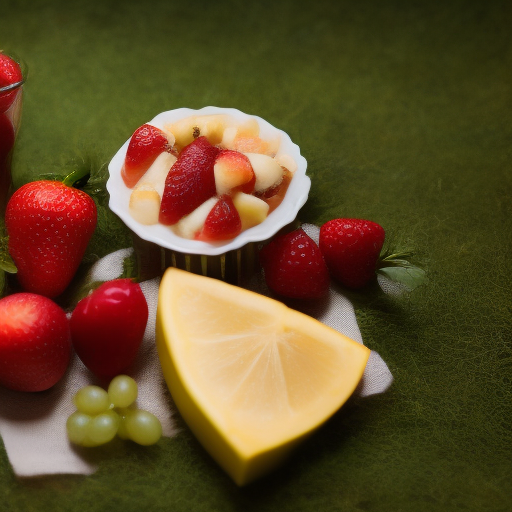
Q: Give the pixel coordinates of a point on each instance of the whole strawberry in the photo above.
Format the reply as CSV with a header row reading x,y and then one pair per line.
x,y
294,266
351,249
49,225
107,327
35,346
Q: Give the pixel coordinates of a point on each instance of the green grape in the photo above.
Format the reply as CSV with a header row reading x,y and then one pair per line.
x,y
122,391
91,400
77,426
143,427
122,433
102,428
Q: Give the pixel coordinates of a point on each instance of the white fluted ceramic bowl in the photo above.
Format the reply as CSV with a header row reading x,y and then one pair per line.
x,y
161,235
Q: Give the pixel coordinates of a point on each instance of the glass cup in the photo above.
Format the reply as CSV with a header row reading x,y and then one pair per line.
x,y
10,117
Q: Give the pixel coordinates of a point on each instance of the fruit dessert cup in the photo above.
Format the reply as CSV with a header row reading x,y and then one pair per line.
x,y
13,74
201,189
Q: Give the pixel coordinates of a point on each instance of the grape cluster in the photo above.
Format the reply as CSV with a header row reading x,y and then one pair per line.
x,y
101,415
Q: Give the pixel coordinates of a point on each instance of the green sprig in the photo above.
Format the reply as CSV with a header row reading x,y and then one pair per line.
x,y
397,268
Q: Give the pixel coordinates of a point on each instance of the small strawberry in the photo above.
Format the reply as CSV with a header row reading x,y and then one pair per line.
x,y
222,223
10,74
49,225
351,248
294,266
108,325
35,342
190,182
146,143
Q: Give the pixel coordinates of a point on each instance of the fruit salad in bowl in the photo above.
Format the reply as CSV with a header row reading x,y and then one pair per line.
x,y
207,183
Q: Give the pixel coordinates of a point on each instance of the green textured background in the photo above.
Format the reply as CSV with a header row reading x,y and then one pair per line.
x,y
403,110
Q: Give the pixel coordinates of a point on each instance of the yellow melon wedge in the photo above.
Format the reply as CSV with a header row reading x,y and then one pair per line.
x,y
250,376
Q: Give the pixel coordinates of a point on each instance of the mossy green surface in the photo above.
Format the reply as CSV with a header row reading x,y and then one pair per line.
x,y
403,110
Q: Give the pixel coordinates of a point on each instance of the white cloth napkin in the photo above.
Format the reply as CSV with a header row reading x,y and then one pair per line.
x,y
33,425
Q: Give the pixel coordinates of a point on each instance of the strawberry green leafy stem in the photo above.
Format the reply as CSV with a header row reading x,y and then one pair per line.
x,y
397,268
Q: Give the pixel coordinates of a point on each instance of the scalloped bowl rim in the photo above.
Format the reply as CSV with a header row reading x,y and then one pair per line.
x,y
284,214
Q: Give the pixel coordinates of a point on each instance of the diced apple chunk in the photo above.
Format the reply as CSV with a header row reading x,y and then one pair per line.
x,y
144,204
249,128
189,225
252,144
228,137
252,210
267,170
233,171
286,161
211,126
157,172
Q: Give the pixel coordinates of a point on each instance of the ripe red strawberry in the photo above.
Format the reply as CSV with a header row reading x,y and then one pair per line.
x,y
222,223
190,182
107,327
49,226
35,342
294,266
10,73
146,143
351,248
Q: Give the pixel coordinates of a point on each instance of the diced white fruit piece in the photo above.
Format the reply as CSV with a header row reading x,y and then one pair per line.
x,y
229,137
144,205
252,210
249,128
232,169
157,172
273,145
267,170
189,225
286,161
211,126
183,130
170,136
250,143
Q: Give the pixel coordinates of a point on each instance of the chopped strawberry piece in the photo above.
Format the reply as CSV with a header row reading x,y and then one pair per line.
x,y
146,143
222,223
190,181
